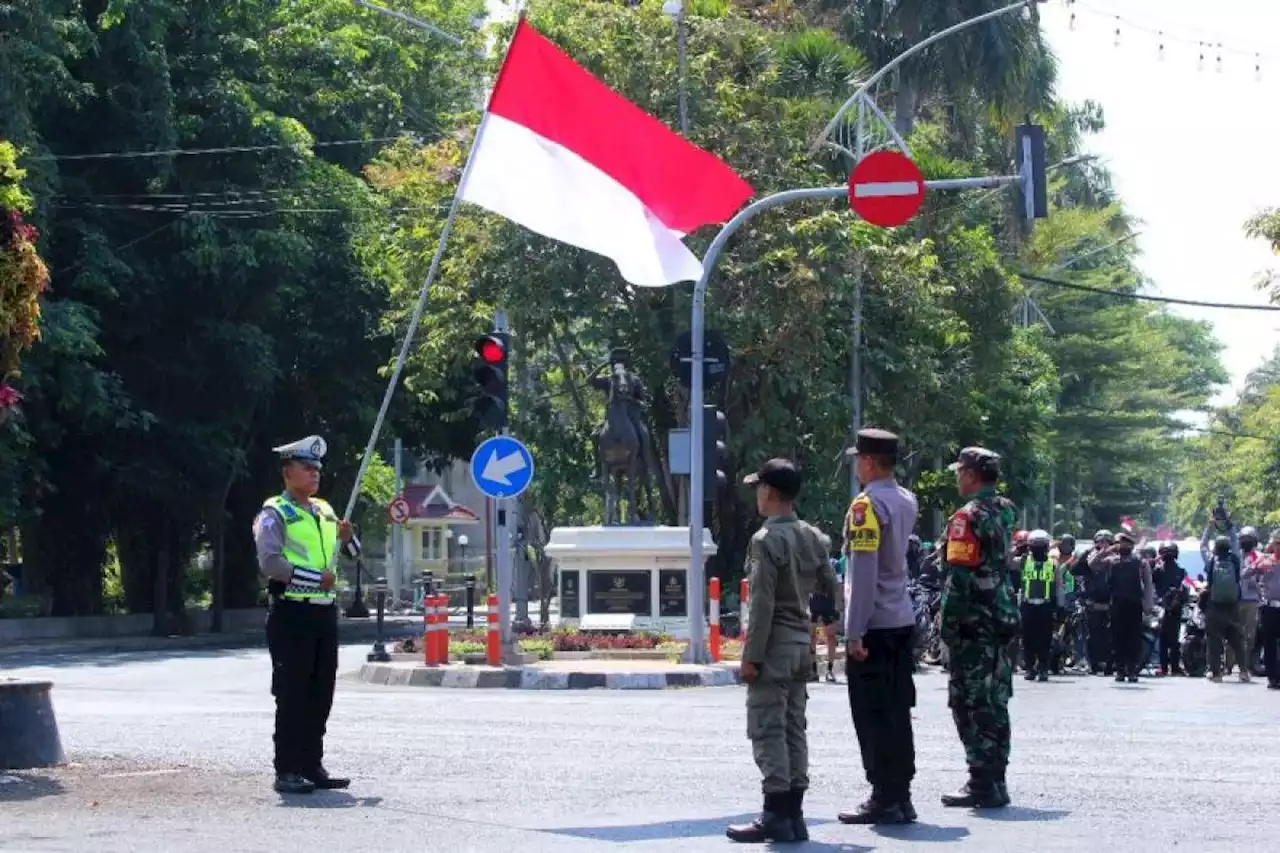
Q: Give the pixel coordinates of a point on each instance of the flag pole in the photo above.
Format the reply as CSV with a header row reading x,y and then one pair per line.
x,y
423,294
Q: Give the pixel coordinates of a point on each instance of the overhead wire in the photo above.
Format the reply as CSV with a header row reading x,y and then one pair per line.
x,y
228,149
1144,297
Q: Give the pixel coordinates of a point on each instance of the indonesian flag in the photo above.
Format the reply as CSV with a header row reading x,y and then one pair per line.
x,y
563,155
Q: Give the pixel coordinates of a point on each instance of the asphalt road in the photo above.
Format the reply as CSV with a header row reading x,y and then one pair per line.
x,y
171,753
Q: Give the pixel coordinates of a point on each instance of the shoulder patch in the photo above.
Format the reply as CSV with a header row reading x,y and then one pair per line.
x,y
962,542
863,532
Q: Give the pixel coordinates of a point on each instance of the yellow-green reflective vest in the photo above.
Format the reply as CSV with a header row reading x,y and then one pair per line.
x,y
1037,580
310,542
1068,582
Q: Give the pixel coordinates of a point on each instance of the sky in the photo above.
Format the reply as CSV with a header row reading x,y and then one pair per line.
x,y
1187,149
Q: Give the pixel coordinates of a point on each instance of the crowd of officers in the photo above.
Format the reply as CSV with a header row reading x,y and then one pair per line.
x,y
788,563
996,591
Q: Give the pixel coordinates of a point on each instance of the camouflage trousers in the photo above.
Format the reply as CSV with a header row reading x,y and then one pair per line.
x,y
776,721
978,694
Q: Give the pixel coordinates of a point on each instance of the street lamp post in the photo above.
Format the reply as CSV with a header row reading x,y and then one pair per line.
x,y
463,542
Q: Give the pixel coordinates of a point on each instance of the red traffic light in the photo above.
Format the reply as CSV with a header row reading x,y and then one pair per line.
x,y
491,350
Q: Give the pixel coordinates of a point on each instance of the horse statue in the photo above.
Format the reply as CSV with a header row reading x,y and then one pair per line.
x,y
621,456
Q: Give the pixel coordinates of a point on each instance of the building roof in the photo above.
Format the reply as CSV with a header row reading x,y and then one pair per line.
x,y
432,503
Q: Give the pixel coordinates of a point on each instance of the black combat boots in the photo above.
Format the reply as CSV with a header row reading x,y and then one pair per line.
x,y
982,791
775,822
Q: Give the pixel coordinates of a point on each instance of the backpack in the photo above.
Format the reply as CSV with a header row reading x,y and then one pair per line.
x,y
1224,582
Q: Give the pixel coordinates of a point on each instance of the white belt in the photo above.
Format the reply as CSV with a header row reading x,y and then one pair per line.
x,y
1034,601
1274,603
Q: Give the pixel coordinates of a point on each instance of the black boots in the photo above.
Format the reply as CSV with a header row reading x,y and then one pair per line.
x,y
982,791
798,827
324,782
882,809
777,821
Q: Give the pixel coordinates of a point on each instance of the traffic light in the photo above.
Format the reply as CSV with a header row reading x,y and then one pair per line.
x,y
715,451
490,373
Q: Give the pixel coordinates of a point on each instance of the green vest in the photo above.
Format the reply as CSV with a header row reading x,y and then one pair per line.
x,y
310,542
1037,580
1068,582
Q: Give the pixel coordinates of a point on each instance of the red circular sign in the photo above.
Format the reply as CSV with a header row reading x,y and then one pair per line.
x,y
886,189
399,511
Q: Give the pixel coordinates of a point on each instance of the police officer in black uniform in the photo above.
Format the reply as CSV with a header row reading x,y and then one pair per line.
x,y
296,536
1171,591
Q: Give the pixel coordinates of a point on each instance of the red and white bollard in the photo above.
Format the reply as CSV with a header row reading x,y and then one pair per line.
x,y
494,648
442,629
428,630
744,597
713,596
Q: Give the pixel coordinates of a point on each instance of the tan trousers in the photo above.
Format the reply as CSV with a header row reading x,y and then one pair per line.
x,y
1247,619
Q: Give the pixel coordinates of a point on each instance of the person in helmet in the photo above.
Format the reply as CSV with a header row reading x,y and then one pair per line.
x,y
1247,611
1096,582
1171,591
1268,575
1132,596
1041,596
1221,596
1149,554
1019,545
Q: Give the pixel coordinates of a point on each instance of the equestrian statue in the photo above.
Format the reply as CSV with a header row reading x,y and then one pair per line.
x,y
622,443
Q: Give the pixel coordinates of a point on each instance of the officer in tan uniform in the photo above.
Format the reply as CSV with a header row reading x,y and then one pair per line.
x,y
879,624
787,561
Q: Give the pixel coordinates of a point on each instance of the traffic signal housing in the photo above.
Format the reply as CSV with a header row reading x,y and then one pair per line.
x,y
1033,193
489,369
715,452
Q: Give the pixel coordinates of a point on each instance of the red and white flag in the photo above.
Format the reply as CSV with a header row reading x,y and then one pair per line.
x,y
563,155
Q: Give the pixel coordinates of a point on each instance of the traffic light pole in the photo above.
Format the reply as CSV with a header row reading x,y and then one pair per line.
x,y
502,545
697,651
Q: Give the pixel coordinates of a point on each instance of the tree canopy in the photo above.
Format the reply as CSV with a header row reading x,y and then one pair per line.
x,y
238,201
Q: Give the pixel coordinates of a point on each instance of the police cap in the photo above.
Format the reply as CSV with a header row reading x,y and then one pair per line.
x,y
875,442
1125,536
782,474
977,459
309,451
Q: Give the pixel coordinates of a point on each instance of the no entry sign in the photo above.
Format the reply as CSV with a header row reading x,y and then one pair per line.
x,y
886,189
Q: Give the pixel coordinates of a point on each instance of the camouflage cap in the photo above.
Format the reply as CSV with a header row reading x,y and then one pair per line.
x,y
977,459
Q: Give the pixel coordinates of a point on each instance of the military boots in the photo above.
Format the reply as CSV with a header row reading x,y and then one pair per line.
x,y
982,791
775,823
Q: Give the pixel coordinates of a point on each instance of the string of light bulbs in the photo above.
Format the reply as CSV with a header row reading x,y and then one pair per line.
x,y
1208,49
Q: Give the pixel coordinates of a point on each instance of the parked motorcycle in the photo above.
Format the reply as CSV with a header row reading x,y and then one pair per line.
x,y
925,602
1195,656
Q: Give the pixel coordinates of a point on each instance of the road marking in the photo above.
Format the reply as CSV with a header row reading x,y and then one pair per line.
x,y
885,189
136,773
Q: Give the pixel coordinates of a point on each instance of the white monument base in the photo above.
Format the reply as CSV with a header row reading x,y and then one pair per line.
x,y
625,578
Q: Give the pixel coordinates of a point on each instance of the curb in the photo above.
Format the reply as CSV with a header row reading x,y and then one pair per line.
x,y
521,678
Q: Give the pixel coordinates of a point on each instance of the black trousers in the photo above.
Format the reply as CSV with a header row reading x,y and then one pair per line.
x,y
882,693
1099,640
1171,639
1270,619
1037,636
303,641
1126,636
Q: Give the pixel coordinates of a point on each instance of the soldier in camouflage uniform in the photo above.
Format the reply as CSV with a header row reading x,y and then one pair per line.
x,y
979,618
787,561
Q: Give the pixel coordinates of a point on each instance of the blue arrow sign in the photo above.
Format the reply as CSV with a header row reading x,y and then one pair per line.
x,y
501,467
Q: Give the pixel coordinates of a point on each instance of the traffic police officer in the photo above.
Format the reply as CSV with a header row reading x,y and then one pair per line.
x,y
979,619
879,623
787,561
1042,596
297,536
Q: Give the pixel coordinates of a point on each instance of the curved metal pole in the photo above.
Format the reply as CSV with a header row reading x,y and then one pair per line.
x,y
697,651
910,52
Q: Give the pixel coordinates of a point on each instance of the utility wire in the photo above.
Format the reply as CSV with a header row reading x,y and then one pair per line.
x,y
231,149
1142,297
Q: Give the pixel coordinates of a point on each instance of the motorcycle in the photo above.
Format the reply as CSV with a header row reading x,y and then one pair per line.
x,y
1194,640
1063,654
1151,638
925,602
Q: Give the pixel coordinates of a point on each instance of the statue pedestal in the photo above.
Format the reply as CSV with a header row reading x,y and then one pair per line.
x,y
625,578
